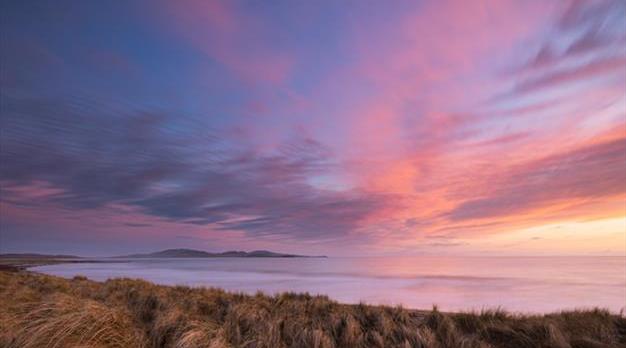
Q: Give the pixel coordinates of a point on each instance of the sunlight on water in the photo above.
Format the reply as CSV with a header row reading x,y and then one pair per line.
x,y
539,284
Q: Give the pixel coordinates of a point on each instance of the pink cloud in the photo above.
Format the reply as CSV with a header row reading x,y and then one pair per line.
x,y
404,136
591,171
583,73
227,34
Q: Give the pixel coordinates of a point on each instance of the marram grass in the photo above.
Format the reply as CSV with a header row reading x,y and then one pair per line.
x,y
44,311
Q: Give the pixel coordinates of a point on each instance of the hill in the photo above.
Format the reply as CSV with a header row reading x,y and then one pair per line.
x,y
183,253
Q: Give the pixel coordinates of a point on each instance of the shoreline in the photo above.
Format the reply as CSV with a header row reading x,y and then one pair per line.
x,y
43,310
27,265
23,264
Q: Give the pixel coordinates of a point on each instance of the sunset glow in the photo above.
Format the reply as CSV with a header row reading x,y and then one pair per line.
x,y
343,128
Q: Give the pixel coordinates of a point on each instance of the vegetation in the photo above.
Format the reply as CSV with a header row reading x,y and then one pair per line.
x,y
45,311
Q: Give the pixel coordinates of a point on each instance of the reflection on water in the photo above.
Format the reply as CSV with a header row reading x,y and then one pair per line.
x,y
539,284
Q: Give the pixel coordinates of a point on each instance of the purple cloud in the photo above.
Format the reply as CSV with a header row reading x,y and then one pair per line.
x,y
588,172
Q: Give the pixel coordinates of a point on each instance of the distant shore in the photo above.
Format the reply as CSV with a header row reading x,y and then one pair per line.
x,y
8,264
21,261
41,310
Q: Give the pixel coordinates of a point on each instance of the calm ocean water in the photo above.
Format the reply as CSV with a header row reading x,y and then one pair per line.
x,y
528,284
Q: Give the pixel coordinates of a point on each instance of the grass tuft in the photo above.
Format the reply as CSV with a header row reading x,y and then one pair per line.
x,y
45,311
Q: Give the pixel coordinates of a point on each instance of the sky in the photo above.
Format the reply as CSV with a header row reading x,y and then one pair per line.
x,y
342,128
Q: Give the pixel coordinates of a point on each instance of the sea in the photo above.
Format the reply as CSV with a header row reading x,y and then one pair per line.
x,y
516,284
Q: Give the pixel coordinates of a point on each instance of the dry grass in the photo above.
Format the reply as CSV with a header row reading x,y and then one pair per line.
x,y
62,321
45,311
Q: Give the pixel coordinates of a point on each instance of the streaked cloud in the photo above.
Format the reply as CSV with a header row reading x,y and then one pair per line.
x,y
593,171
311,127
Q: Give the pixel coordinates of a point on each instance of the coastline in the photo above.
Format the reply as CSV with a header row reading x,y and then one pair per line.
x,y
23,264
136,313
351,282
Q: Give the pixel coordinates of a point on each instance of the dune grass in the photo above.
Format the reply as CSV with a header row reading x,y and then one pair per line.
x,y
45,311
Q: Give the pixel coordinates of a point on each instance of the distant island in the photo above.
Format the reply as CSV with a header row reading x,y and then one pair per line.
x,y
168,253
188,253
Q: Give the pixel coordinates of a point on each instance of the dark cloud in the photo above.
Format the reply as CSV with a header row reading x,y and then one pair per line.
x,y
611,66
133,224
502,140
590,41
446,244
175,168
597,170
592,23
591,13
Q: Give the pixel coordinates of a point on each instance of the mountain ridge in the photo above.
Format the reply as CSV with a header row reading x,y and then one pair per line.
x,y
166,253
194,253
